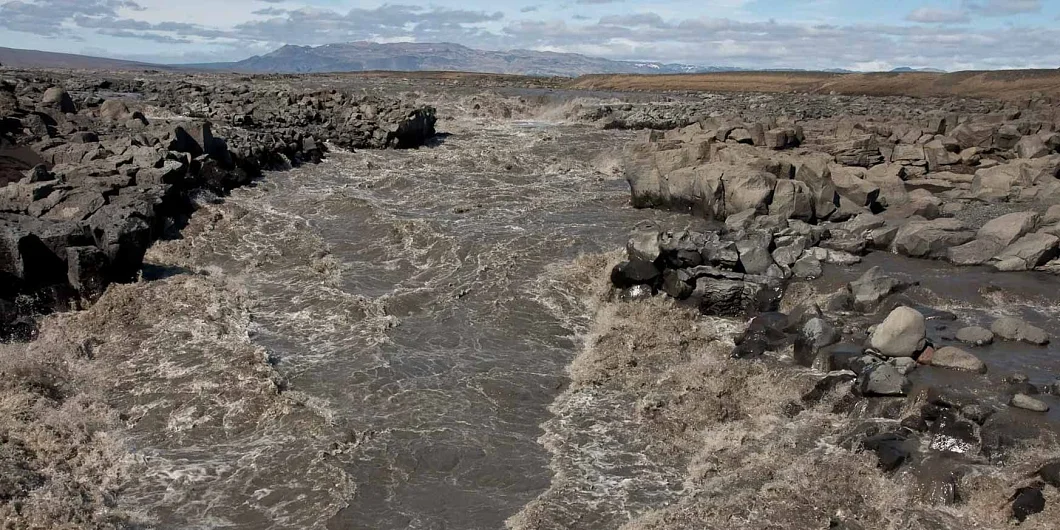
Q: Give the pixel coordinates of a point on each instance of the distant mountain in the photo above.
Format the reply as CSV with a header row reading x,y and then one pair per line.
x,y
410,57
13,58
906,69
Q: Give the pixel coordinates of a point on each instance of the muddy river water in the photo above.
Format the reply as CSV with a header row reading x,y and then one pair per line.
x,y
410,308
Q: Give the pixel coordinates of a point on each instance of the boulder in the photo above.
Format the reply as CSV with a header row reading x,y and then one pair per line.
x,y
60,99
850,185
1050,473
748,189
1008,228
637,272
643,244
902,334
1014,329
1030,251
892,450
1033,146
1026,502
976,252
889,179
930,239
755,257
1052,215
872,287
883,380
807,267
114,110
792,199
979,135
812,337
1025,402
957,359
975,335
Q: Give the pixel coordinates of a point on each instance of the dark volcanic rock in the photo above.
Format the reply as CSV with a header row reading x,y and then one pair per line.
x,y
83,194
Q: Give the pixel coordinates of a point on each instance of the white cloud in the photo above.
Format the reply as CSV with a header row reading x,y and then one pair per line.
x,y
930,15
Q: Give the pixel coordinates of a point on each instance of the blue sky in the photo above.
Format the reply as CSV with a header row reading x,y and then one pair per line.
x,y
855,34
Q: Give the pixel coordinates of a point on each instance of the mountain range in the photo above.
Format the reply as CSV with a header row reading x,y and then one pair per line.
x,y
407,57
411,57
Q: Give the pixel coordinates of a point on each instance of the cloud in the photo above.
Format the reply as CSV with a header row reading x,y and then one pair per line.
x,y
46,17
248,27
930,15
1001,8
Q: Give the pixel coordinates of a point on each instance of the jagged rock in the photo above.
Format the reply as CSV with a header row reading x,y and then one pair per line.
x,y
975,252
901,334
815,335
872,287
644,243
1006,229
1026,502
748,189
930,239
1030,251
891,449
850,184
807,267
883,380
630,273
755,257
1050,473
792,199
1032,147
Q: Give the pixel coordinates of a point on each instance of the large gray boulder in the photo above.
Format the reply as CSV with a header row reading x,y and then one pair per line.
x,y
60,99
747,188
850,185
976,252
931,239
902,334
793,199
1032,146
872,287
1008,228
1032,250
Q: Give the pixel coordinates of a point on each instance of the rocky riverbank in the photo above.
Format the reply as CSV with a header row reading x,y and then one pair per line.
x,y
95,169
791,199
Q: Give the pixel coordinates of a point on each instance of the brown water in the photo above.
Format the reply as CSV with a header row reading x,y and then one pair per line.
x,y
386,341
407,300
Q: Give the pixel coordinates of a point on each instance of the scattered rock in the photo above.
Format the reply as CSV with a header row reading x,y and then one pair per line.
x,y
872,287
1014,329
1027,502
957,359
902,334
1025,402
883,380
975,335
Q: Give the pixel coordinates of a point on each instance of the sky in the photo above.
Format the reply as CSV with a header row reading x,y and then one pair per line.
x,y
862,35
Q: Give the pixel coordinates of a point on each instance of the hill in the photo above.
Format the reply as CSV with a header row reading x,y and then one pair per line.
x,y
15,58
411,57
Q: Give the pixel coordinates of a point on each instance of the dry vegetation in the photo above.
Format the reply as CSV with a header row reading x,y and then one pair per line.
x,y
1010,84
60,466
